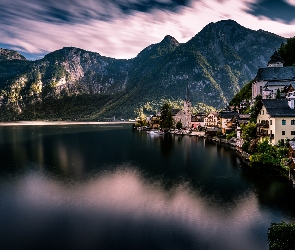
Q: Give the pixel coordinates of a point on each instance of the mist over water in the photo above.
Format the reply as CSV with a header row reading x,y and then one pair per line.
x,y
114,189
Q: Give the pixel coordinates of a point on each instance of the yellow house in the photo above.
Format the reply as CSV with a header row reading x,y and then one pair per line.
x,y
276,120
228,120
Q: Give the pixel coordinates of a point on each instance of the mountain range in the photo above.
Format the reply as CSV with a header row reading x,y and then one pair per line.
x,y
73,83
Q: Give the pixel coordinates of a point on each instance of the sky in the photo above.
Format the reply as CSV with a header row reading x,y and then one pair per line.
x,y
122,28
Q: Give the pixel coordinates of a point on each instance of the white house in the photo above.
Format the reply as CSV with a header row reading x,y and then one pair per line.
x,y
274,78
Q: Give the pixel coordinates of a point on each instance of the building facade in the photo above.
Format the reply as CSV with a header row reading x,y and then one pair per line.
x,y
276,120
274,81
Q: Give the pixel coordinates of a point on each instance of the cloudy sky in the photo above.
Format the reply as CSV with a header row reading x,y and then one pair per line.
x,y
122,28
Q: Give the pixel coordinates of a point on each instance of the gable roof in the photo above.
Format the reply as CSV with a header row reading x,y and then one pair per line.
x,y
278,108
275,73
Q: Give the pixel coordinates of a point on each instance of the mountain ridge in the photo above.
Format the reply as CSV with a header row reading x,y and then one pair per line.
x,y
218,62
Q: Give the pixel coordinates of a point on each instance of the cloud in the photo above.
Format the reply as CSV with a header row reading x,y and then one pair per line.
x,y
280,10
129,27
290,2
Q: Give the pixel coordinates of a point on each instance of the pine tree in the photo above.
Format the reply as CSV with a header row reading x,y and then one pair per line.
x,y
166,116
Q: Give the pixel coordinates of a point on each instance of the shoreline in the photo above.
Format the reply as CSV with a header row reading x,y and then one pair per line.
x,y
54,123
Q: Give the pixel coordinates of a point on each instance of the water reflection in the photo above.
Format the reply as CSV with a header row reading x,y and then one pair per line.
x,y
122,210
114,188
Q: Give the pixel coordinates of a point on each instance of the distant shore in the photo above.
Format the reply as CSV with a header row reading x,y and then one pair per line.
x,y
45,123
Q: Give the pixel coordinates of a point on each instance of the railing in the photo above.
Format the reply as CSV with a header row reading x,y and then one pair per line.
x,y
262,134
263,125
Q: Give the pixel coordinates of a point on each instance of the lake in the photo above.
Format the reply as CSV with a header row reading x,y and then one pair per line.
x,y
104,186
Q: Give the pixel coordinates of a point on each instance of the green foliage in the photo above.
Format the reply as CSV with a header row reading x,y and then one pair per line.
x,y
244,94
245,146
249,131
166,116
231,135
254,111
179,125
287,52
268,154
281,236
66,108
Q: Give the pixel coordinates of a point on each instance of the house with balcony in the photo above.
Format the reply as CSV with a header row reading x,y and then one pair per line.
x,y
154,121
276,120
228,121
211,120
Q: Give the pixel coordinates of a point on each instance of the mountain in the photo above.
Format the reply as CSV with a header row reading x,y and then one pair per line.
x,y
72,83
6,54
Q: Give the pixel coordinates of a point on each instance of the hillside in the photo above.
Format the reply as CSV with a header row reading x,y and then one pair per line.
x,y
218,62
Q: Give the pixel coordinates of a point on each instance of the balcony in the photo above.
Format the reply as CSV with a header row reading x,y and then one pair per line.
x,y
262,133
263,125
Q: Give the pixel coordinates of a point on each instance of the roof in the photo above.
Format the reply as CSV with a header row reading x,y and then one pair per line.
x,y
197,119
275,73
228,114
280,83
174,111
278,108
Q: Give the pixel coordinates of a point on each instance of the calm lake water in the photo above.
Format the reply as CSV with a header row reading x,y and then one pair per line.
x,y
108,187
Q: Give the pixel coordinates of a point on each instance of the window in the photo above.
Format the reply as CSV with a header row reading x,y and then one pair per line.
x,y
293,122
284,122
283,132
263,112
270,122
292,132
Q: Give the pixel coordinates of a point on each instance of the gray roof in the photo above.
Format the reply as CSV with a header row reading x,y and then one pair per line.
x,y
280,83
275,73
278,108
228,114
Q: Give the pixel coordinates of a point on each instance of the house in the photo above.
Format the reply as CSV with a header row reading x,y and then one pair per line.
x,y
275,80
228,121
243,119
154,121
276,120
197,121
211,120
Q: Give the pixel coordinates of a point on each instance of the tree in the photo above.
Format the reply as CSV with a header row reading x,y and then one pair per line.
x,y
254,111
281,236
267,154
287,52
249,131
179,125
166,116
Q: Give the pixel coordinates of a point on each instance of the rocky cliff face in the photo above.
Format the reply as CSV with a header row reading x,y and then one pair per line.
x,y
6,54
217,62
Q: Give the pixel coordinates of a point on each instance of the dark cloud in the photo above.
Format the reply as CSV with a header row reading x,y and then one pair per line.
x,y
274,10
76,11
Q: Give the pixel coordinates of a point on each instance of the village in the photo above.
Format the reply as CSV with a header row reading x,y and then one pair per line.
x,y
273,87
